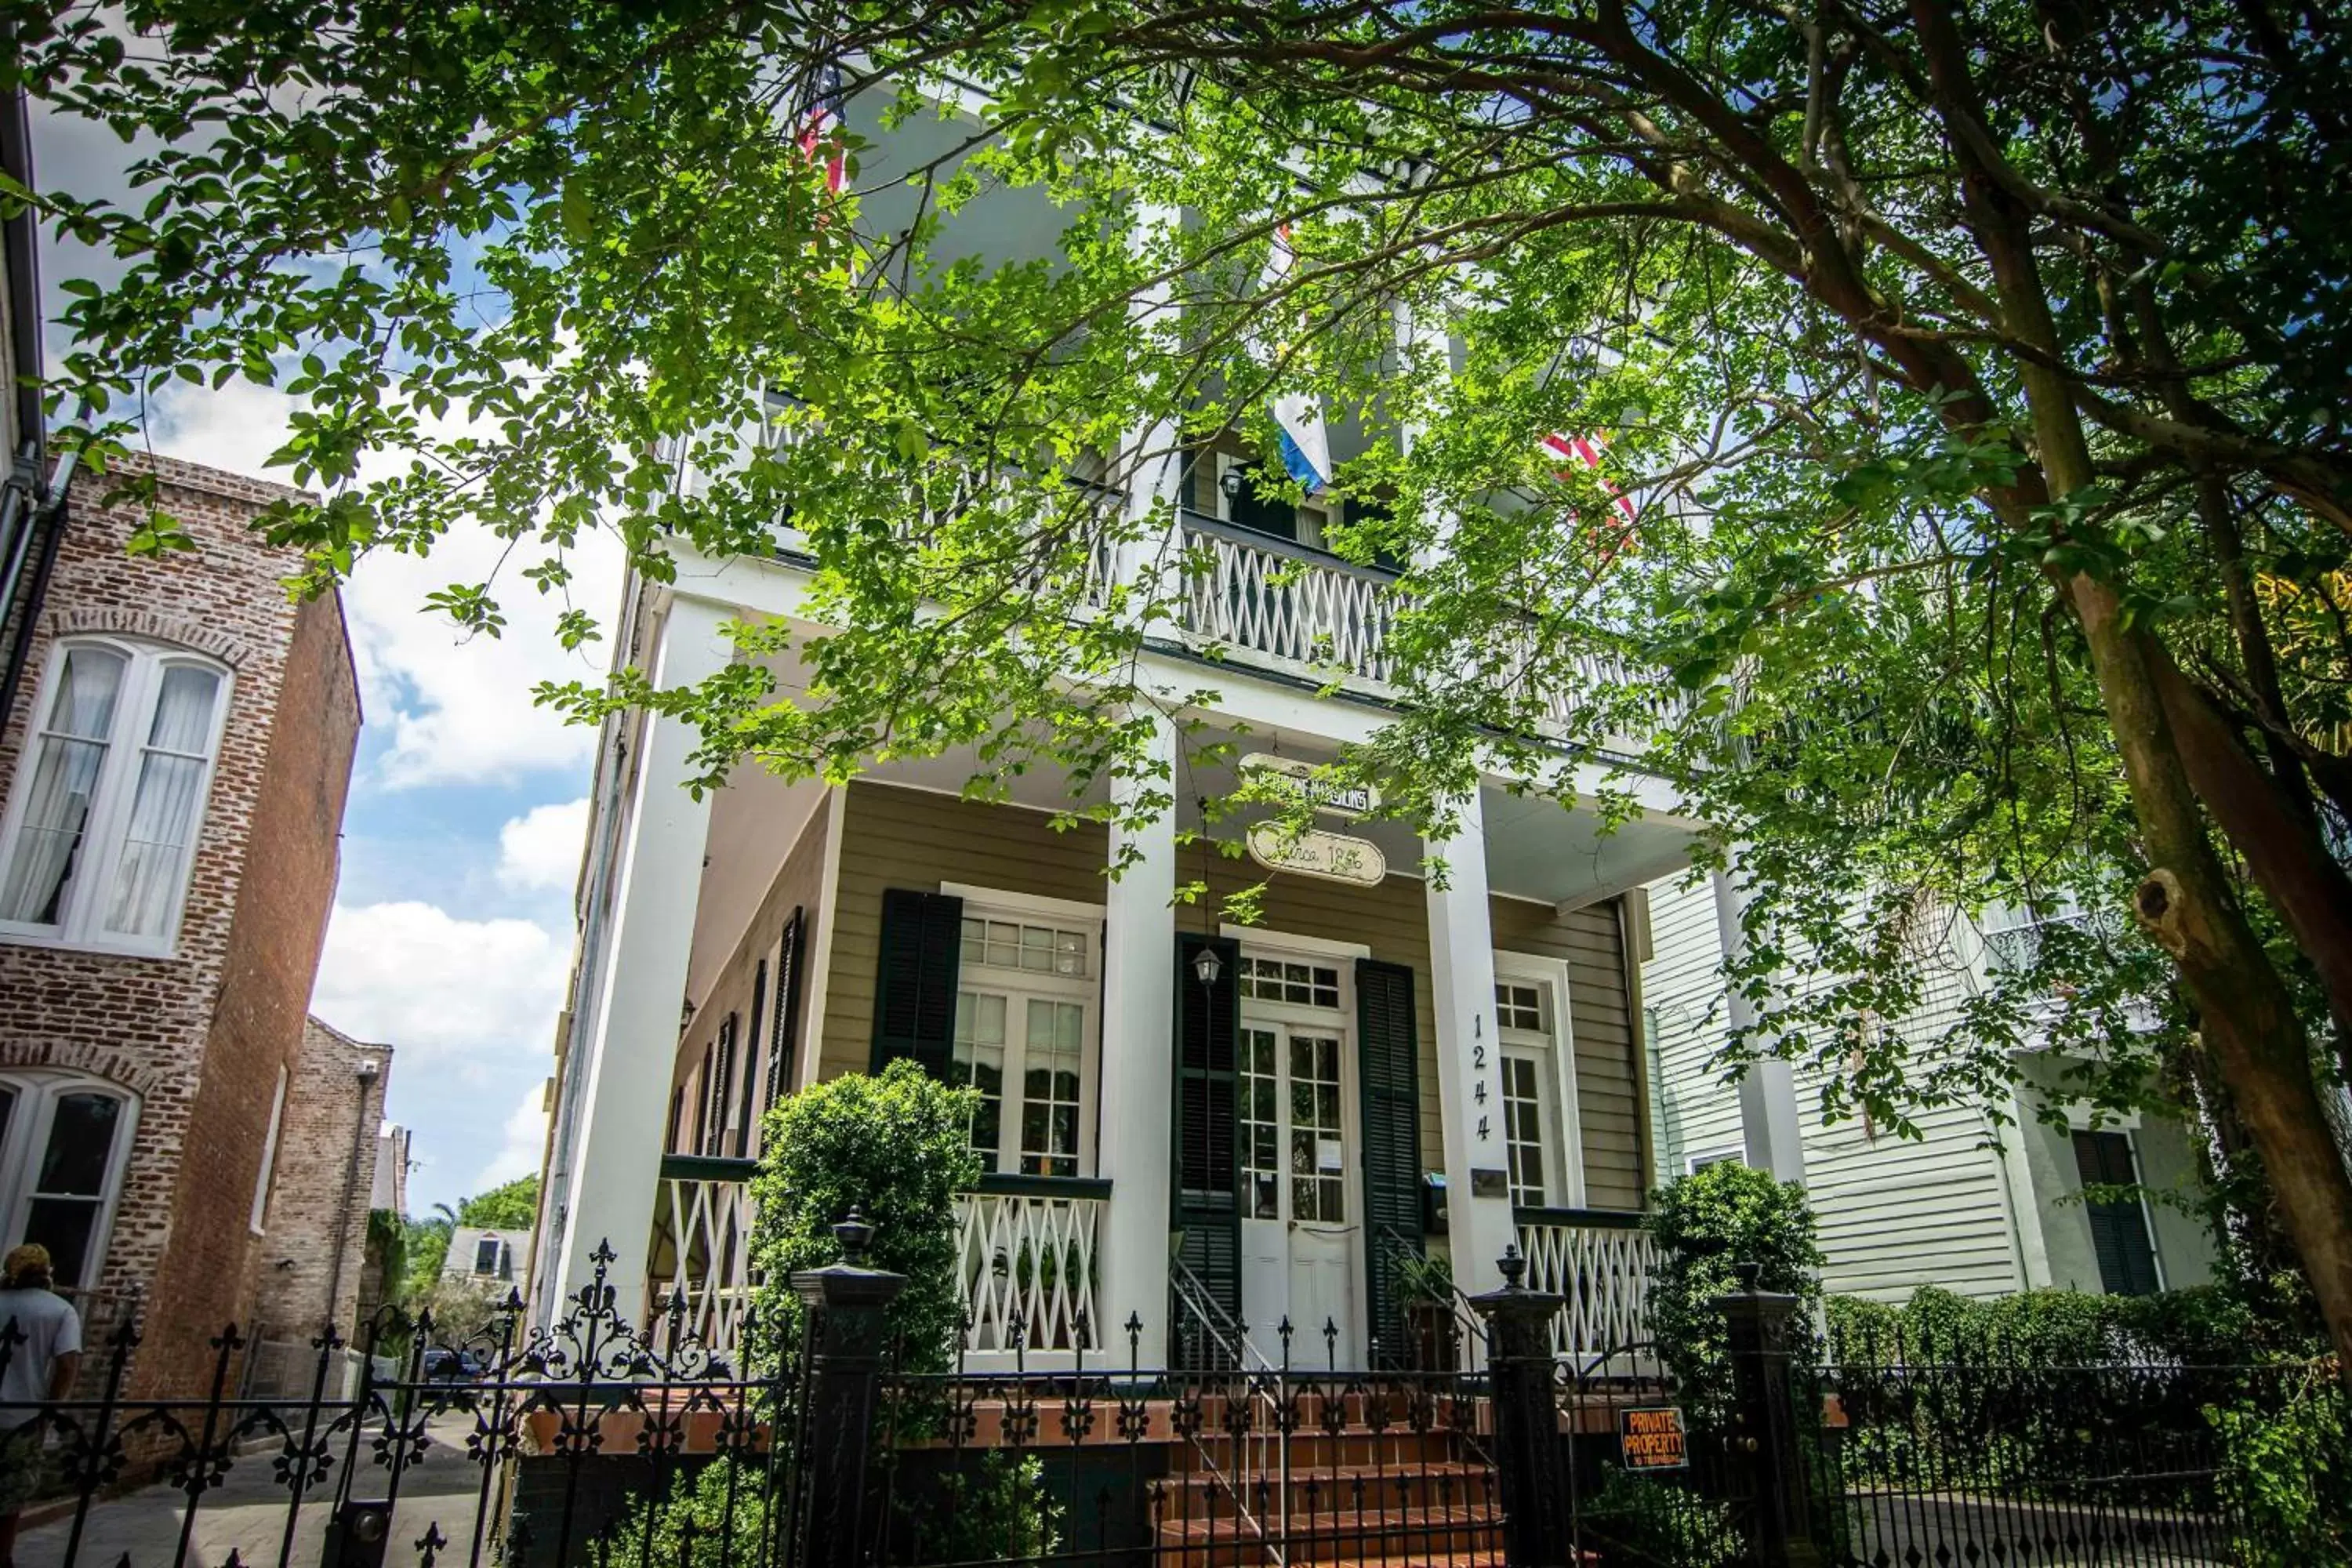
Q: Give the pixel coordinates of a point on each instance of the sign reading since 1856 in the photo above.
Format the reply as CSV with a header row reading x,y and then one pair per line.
x,y
1652,1439
1297,779
1332,856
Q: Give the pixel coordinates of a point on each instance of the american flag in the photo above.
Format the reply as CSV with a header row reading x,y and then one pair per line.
x,y
1585,452
821,122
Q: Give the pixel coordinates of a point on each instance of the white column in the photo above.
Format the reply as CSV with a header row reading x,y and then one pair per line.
x,y
1151,466
1135,1143
1469,1058
631,1044
1770,1129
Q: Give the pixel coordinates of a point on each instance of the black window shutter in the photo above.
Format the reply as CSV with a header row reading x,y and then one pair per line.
x,y
750,1114
1207,1209
721,1087
2119,1230
784,1030
1389,1074
915,979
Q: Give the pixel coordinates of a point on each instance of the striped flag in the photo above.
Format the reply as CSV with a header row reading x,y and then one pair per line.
x,y
821,122
1584,451
1306,446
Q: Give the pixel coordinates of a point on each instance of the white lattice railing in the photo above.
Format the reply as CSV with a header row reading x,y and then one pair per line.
x,y
1319,615
1602,1267
702,1252
1026,1255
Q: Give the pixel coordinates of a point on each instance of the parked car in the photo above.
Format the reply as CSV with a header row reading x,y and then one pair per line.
x,y
451,1366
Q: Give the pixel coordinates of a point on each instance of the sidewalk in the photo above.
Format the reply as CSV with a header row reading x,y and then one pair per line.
x,y
247,1514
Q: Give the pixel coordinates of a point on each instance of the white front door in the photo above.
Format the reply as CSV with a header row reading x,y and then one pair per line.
x,y
1300,1234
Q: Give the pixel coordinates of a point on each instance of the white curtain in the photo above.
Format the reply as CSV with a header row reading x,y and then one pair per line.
x,y
163,812
65,777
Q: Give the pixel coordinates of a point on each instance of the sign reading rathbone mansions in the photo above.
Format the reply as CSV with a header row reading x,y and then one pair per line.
x,y
1651,1438
1297,780
1314,853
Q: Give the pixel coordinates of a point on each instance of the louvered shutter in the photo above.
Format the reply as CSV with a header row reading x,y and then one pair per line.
x,y
2119,1230
1208,1171
722,1080
1388,1071
915,979
784,1030
748,1116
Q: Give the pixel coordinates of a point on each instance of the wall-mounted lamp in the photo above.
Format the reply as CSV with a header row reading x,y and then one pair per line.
x,y
1207,967
1231,481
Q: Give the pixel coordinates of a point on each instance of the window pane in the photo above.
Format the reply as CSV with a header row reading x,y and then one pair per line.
x,y
183,711
82,1144
1523,1125
86,694
56,811
978,1060
155,847
66,1226
1050,1070
1260,1140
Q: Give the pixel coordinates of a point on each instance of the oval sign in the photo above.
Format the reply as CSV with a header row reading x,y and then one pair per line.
x,y
1334,856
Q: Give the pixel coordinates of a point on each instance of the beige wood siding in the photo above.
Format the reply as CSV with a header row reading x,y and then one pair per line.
x,y
1392,920
1609,1092
799,884
895,837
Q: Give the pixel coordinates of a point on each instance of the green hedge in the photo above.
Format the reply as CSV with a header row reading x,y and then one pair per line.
x,y
2206,1325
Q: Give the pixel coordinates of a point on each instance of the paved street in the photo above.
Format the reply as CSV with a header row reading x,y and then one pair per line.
x,y
246,1515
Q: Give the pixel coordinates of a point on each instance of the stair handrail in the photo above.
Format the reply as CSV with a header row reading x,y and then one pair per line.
x,y
1192,1296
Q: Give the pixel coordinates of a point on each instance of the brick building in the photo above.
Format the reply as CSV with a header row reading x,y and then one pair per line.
x,y
313,1236
174,768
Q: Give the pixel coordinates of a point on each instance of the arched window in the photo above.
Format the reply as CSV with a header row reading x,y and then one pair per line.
x,y
64,1139
110,794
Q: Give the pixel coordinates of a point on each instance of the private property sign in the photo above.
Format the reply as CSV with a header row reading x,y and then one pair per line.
x,y
1651,1438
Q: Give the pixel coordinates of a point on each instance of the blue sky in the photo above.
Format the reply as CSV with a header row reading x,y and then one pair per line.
x,y
452,932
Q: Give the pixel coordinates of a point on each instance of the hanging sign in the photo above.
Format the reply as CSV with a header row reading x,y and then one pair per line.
x,y
1297,780
1334,856
1652,1439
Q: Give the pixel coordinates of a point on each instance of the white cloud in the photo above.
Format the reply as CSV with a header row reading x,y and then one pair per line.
x,y
448,994
539,850
525,1143
458,707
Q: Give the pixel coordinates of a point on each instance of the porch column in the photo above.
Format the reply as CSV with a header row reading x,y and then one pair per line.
x,y
1135,1138
1151,467
1469,1075
1769,1129
631,1047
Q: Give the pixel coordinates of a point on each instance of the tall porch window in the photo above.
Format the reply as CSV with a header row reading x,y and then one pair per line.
x,y
1536,1081
1025,1038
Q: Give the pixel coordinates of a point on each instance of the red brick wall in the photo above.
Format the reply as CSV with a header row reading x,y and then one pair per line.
x,y
199,1035
315,1195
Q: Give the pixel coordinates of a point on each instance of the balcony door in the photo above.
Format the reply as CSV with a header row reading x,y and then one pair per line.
x,y
1301,1235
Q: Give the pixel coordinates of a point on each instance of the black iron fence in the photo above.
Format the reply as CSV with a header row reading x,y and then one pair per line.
x,y
600,1442
1980,1451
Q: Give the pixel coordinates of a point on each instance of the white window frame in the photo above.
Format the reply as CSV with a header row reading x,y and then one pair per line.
x,y
78,926
38,1089
1019,987
1563,1137
1307,1018
1698,1160
260,1215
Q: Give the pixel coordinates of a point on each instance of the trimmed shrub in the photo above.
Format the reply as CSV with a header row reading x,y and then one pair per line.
x,y
1706,1225
894,1147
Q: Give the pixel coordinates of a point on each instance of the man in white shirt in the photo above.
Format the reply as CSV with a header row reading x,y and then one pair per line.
x,y
40,1351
